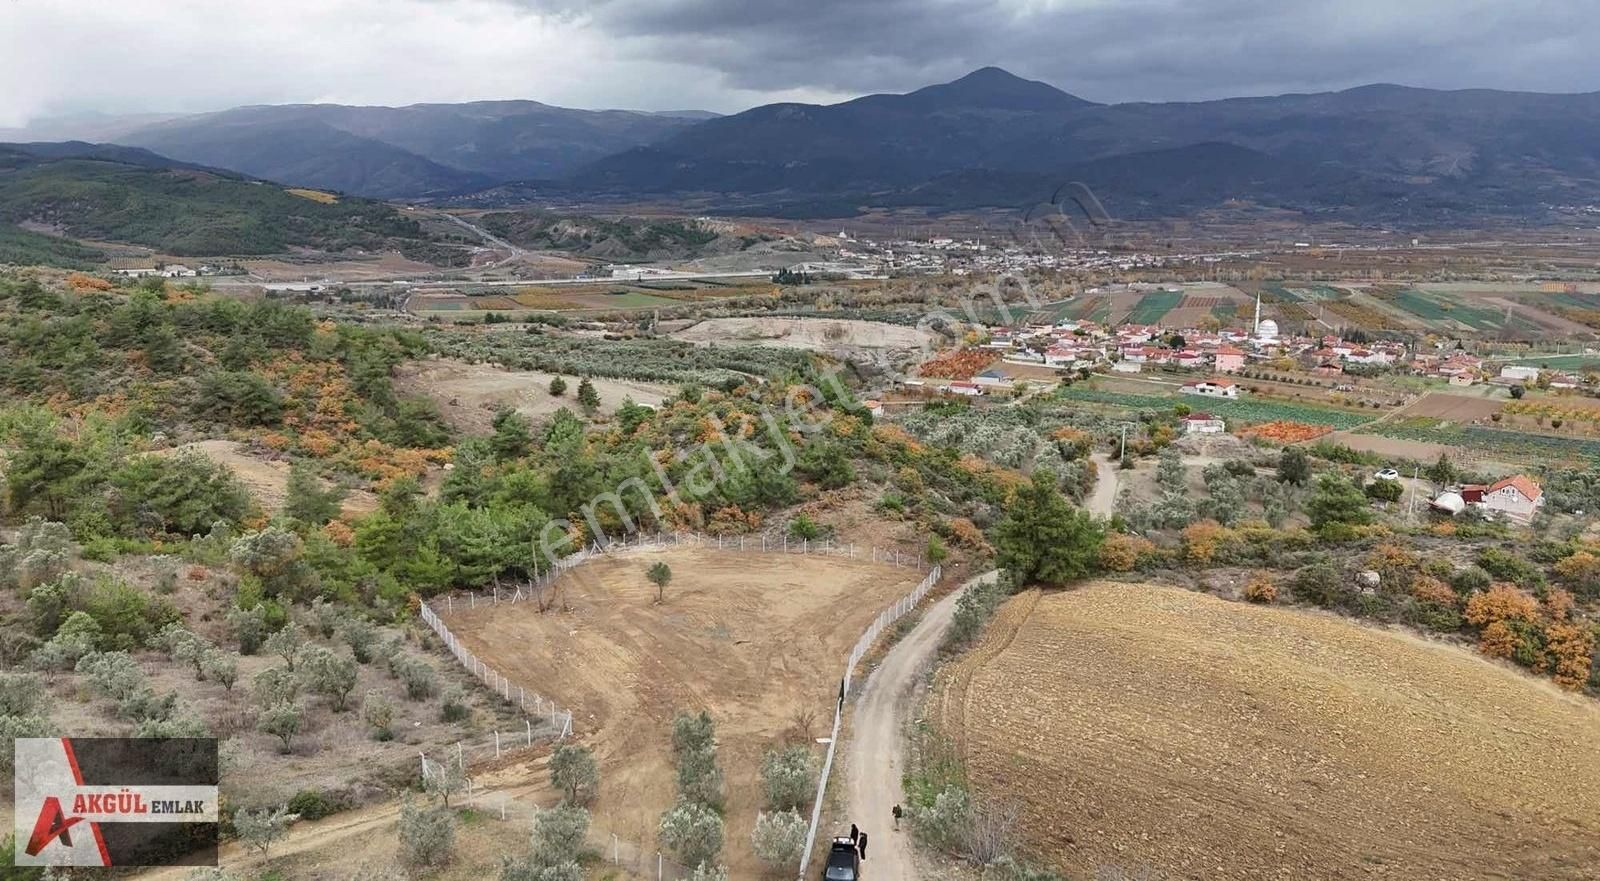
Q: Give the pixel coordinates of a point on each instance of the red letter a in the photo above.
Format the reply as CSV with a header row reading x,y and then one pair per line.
x,y
52,824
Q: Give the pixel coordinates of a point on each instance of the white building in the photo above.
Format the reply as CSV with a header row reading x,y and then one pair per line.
x,y
1518,497
1203,423
1519,373
1211,388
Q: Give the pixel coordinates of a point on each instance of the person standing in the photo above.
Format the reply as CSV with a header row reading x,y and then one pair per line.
x,y
861,846
855,833
897,814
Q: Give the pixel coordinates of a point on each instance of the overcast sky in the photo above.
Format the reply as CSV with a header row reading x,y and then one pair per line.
x,y
125,56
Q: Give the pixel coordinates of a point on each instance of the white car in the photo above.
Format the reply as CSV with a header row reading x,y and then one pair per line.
x,y
1387,474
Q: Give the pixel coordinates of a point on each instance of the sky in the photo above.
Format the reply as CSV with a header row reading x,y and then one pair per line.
x,y
135,56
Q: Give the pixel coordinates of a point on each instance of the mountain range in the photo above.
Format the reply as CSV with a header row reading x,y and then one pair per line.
x,y
988,139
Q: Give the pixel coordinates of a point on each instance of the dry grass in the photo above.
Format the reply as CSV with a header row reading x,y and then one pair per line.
x,y
751,637
1146,726
313,195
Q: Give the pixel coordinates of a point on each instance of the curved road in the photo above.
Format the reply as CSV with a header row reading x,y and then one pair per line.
x,y
875,758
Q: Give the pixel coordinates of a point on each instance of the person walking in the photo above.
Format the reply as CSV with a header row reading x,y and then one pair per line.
x,y
861,846
855,834
898,812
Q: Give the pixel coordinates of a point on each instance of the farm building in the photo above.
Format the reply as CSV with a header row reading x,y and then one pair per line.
x,y
970,389
1203,423
1519,373
1127,367
1211,388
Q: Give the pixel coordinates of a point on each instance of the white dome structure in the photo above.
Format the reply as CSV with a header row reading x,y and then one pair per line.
x,y
1267,329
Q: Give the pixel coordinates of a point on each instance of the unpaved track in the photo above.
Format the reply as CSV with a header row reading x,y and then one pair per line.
x,y
1103,500
875,757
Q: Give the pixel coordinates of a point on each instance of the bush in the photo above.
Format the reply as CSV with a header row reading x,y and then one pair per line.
x,y
361,636
1470,580
1319,583
574,772
185,725
21,694
12,727
220,667
692,732
378,712
804,528
287,643
1385,490
788,778
692,831
260,829
419,677
427,835
274,686
708,872
779,838
281,721
946,824
1260,589
558,836
312,804
453,706
249,627
699,777
329,675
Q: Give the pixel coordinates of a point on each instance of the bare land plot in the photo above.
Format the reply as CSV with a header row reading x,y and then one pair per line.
x,y
469,395
1149,726
815,334
1455,408
750,637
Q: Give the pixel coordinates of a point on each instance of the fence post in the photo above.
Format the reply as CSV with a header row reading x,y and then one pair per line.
x,y
658,865
450,600
614,860
529,723
497,743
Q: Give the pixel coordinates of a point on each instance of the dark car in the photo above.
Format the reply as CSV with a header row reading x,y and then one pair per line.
x,y
844,864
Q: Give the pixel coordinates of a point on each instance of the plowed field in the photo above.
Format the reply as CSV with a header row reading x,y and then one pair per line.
x,y
1144,728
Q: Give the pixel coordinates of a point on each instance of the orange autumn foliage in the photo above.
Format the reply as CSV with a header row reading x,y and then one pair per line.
x,y
1120,553
1500,603
82,282
340,533
1569,653
1260,589
1201,540
1497,640
1432,590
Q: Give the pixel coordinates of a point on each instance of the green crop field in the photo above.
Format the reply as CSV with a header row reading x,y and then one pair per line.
x,y
1497,441
1153,307
1244,410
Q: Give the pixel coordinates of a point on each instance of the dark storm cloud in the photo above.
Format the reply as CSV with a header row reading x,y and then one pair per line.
x,y
1114,50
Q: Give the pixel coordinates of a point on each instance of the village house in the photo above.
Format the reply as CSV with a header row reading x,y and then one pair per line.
x,y
1519,373
1211,388
1517,497
1203,423
1229,359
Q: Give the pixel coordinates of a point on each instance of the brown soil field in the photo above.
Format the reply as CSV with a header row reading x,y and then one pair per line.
x,y
1455,408
817,334
750,637
1141,726
469,395
266,479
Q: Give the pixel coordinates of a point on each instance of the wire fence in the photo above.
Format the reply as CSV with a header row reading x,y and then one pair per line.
x,y
863,645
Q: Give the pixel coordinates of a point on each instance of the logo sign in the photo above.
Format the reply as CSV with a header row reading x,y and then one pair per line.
x,y
116,801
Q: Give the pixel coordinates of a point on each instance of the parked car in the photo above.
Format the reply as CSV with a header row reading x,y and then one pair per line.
x,y
1387,474
844,863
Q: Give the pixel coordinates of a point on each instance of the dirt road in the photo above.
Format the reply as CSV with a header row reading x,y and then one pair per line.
x,y
875,757
1103,500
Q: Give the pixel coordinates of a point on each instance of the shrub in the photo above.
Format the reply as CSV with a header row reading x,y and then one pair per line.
x,y
326,616
419,677
1319,583
427,835
378,712
185,725
249,627
946,824
573,771
287,643
12,727
1385,490
1120,553
113,674
221,667
699,777
329,675
1470,580
453,706
21,694
275,685
558,835
1260,589
260,829
788,778
692,732
692,831
804,528
779,838
708,872
361,636
312,804
281,721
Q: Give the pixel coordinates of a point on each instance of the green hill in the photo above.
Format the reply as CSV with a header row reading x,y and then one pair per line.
x,y
190,211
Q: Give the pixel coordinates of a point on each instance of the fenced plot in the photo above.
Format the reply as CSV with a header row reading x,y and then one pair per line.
x,y
758,638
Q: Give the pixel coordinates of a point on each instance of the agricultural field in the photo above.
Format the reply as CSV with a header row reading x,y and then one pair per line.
x,y
469,395
1511,445
816,334
1455,408
587,298
1152,307
750,637
1138,725
958,363
1242,410
649,360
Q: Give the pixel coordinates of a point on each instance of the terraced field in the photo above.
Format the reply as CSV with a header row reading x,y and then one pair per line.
x,y
1151,732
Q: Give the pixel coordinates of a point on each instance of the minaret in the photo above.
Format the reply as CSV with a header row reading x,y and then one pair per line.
x,y
1255,329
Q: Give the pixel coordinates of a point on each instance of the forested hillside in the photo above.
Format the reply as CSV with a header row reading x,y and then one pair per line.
x,y
187,211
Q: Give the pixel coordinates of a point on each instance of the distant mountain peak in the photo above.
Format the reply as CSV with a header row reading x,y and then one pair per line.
x,y
1000,89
